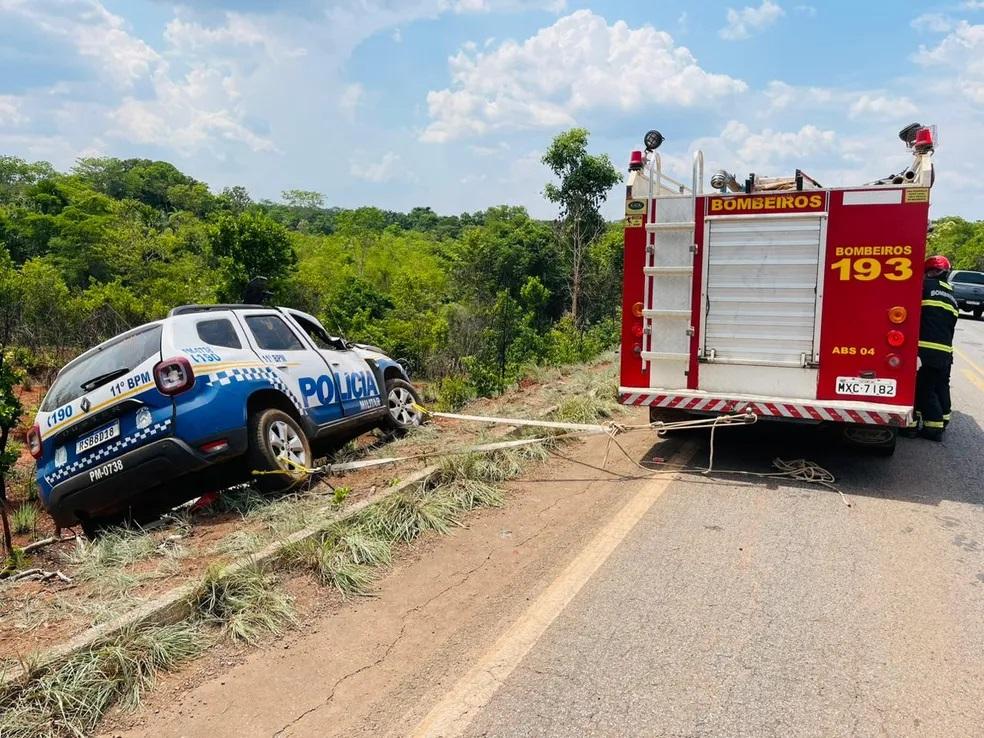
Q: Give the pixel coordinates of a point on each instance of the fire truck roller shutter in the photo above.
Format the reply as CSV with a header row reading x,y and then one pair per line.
x,y
761,290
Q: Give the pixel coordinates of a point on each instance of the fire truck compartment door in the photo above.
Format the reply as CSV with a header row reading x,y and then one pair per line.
x,y
760,292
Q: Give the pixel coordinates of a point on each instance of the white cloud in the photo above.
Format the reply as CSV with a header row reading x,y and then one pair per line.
x,y
932,23
382,170
783,96
808,10
98,35
10,111
962,53
768,146
973,5
578,63
352,96
741,24
883,107
186,113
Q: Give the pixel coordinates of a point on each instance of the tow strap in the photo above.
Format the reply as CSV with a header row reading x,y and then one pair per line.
x,y
572,429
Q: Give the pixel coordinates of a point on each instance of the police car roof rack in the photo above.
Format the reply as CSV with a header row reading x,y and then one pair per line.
x,y
189,309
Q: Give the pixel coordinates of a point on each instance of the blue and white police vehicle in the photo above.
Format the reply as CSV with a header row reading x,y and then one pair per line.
x,y
198,401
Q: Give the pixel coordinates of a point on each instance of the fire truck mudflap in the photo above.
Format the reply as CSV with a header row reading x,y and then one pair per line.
x,y
778,297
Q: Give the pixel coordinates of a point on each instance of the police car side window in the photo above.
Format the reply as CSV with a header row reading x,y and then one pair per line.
x,y
272,333
320,339
218,332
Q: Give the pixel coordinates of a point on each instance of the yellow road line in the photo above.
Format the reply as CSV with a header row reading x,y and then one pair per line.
x,y
970,361
452,715
978,380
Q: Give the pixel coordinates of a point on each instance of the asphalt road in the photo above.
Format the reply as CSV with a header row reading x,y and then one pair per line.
x,y
591,605
735,608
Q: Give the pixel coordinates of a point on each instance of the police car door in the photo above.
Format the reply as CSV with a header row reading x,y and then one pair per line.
x,y
356,385
303,370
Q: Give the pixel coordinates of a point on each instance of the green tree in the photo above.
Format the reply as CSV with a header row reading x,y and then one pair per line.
x,y
249,245
10,406
584,183
303,199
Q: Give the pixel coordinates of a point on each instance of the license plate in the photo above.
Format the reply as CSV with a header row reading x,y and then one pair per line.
x,y
99,437
866,387
101,472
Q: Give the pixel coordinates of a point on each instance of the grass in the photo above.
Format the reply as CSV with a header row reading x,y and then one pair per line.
x,y
242,500
246,605
238,544
583,408
71,698
341,557
114,550
25,518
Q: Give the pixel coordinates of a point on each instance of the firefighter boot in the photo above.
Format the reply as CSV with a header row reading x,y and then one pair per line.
x,y
931,434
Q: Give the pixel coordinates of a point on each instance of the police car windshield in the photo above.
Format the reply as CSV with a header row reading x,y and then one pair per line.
x,y
107,363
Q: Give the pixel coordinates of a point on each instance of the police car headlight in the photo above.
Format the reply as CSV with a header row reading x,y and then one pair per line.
x,y
144,418
61,456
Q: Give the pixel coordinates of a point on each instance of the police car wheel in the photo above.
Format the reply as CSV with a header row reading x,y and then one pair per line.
x,y
403,403
277,443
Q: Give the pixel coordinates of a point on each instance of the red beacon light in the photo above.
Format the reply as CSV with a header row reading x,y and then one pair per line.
x,y
635,161
923,140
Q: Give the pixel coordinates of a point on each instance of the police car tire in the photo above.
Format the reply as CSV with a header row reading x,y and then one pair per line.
x,y
263,457
392,423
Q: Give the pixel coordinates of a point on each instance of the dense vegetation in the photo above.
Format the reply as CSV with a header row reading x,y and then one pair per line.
x,y
470,299
960,240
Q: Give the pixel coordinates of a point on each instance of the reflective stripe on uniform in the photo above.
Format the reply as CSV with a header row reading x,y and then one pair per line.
x,y
940,304
933,424
936,346
946,416
946,284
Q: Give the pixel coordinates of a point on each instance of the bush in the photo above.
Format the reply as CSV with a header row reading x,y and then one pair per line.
x,y
453,392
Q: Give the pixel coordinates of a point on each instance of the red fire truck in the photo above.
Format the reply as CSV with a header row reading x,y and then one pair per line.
x,y
775,296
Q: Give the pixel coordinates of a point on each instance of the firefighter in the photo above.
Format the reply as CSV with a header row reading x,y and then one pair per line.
x,y
939,319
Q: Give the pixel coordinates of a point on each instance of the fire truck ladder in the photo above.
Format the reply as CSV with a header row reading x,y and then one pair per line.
x,y
668,273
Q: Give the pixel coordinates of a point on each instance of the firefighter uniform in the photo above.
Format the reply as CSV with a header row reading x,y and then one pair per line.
x,y
939,319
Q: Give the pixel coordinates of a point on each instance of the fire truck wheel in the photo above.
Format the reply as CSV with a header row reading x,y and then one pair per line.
x,y
977,314
668,415
875,441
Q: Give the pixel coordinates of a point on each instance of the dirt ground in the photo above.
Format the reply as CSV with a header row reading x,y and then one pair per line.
x,y
35,616
355,665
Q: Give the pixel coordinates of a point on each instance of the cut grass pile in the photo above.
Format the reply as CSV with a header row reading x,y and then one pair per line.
x,y
245,606
103,558
71,699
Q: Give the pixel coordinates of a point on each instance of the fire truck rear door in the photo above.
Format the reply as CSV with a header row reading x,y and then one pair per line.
x,y
761,297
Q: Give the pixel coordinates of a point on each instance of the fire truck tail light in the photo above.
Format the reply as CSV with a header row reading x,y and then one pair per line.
x,y
637,309
895,338
637,330
897,314
894,361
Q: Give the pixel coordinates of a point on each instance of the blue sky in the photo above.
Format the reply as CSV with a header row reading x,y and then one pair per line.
x,y
450,103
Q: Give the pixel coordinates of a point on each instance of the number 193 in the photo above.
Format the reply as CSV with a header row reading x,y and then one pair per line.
x,y
866,269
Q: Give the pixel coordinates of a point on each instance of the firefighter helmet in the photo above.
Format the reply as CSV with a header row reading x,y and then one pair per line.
x,y
938,262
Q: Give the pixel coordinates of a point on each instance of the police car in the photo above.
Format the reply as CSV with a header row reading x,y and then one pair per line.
x,y
201,399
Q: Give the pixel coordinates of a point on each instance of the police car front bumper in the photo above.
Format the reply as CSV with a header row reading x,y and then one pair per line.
x,y
114,485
